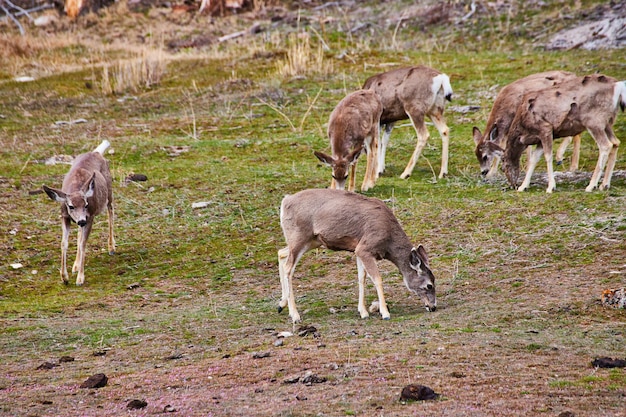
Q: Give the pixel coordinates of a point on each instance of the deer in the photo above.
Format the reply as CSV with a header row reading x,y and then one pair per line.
x,y
86,191
502,113
353,127
342,220
413,93
584,103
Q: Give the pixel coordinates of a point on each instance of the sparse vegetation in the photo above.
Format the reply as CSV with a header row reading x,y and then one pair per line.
x,y
177,315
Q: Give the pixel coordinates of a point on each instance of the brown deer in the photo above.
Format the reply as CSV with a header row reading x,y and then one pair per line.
x,y
502,114
583,103
413,93
87,190
343,220
353,125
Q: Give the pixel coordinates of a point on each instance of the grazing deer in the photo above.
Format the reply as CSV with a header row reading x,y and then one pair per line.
x,y
343,220
502,114
353,125
583,103
87,190
413,93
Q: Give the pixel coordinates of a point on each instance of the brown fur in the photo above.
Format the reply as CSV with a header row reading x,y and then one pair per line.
x,y
87,190
407,93
567,109
502,114
343,220
353,125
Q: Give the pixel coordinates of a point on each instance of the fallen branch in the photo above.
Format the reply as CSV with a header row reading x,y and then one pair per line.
x,y
256,28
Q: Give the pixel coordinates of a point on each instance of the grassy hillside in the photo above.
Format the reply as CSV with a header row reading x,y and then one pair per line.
x,y
184,314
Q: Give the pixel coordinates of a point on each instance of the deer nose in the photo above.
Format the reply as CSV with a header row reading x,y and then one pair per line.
x,y
431,308
82,223
484,172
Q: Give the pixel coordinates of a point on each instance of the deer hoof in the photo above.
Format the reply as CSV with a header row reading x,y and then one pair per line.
x,y
280,309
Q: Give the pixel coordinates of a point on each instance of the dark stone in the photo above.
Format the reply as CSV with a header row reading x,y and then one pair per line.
x,y
605,362
47,365
95,381
136,404
415,392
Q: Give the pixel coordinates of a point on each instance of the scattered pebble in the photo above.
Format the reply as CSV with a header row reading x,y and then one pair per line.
x,y
169,409
47,365
260,355
279,342
64,359
416,392
95,381
136,404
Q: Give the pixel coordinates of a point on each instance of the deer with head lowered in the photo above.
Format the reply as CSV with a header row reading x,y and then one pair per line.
x,y
353,126
413,93
86,191
569,108
502,114
343,220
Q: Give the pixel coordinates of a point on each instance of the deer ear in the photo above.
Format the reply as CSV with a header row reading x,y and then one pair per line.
x,y
493,135
352,158
90,186
55,195
326,159
419,256
478,136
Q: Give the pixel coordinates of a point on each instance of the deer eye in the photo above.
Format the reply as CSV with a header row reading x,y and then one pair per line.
x,y
485,158
429,287
71,207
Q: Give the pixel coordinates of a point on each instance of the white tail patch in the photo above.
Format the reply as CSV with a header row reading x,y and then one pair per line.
x,y
442,81
619,95
102,147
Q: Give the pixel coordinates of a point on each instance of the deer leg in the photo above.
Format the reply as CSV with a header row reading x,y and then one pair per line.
x,y
361,275
560,152
575,153
547,154
371,147
610,165
352,184
604,147
65,225
79,238
494,168
82,244
422,138
282,258
369,263
110,218
533,159
444,132
287,261
382,149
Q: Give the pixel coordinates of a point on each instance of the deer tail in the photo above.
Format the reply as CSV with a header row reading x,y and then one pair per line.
x,y
443,81
619,95
102,147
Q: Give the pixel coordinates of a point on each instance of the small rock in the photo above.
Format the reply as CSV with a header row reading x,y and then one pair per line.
x,y
95,381
605,362
310,378
47,365
136,177
279,342
301,397
306,330
374,307
136,404
64,359
260,355
415,392
174,357
567,414
169,409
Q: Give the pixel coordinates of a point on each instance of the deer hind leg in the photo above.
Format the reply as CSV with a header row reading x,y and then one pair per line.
x,y
610,165
382,148
287,261
605,147
111,236
560,152
82,245
422,138
371,269
547,154
444,132
65,225
361,276
534,155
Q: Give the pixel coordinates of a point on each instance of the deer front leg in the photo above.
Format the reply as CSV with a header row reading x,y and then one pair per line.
x,y
352,183
533,159
82,245
282,258
422,138
289,260
361,276
79,238
575,153
65,225
444,132
547,154
371,168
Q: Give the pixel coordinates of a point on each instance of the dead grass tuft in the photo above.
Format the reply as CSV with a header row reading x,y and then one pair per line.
x,y
144,71
302,59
